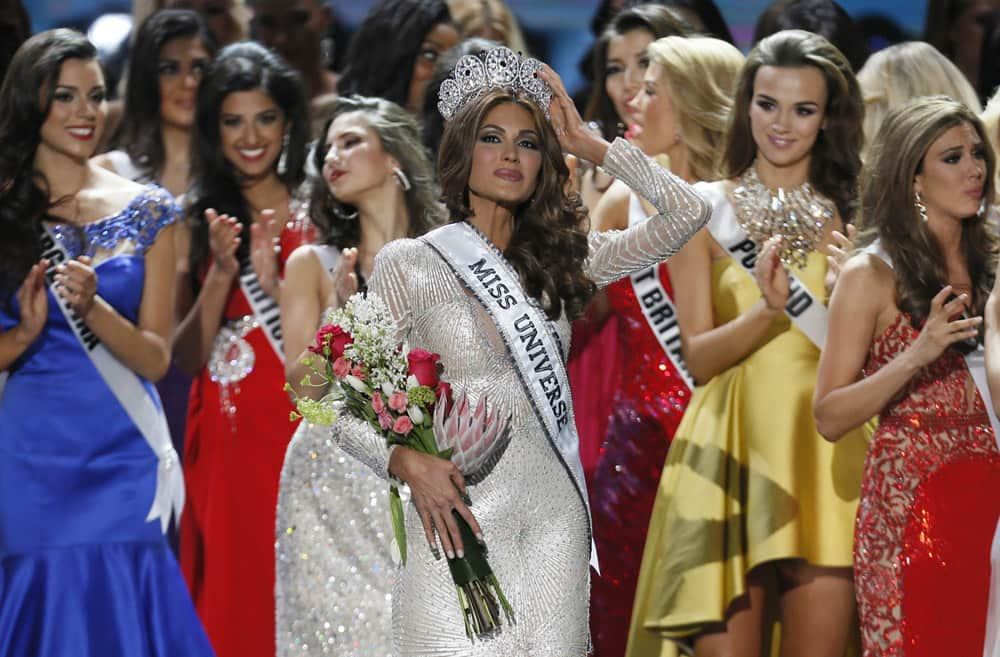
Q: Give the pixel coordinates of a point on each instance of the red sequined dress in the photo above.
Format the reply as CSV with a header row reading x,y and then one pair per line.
x,y
929,505
646,410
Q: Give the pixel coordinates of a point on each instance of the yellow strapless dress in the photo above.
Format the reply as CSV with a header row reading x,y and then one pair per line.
x,y
747,480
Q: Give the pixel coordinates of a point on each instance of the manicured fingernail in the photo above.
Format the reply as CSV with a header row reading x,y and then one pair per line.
x,y
451,555
479,537
461,554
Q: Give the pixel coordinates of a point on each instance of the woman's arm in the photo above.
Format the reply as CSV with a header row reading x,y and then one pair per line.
x,y
199,319
709,349
142,347
33,302
843,399
992,344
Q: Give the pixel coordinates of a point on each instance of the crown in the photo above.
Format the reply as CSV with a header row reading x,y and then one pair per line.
x,y
501,68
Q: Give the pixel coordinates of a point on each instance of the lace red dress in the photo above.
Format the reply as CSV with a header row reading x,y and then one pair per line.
x,y
645,412
929,505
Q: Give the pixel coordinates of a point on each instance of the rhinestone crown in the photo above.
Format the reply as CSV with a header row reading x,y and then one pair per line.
x,y
498,68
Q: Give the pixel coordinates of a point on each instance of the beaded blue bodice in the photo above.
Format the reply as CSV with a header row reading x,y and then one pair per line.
x,y
131,231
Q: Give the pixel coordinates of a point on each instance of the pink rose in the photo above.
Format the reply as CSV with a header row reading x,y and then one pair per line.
x,y
384,420
424,365
358,372
332,337
377,404
341,367
398,401
403,425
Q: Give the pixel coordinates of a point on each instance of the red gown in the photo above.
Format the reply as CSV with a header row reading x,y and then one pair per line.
x,y
929,504
646,409
234,446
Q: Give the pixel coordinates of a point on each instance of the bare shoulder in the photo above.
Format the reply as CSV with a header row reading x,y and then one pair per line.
x,y
868,279
611,211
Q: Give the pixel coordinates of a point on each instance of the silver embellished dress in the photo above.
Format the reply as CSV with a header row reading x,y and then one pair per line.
x,y
533,518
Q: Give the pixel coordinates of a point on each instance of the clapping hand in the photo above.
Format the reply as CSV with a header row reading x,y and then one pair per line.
x,y
223,241
33,302
837,255
345,281
265,247
76,282
770,274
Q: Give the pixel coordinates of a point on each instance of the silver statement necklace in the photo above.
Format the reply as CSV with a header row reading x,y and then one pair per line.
x,y
799,215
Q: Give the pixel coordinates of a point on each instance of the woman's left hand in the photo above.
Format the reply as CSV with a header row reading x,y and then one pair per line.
x,y
837,255
771,275
265,245
77,283
574,136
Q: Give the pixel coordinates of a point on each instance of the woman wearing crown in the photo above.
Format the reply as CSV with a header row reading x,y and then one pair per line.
x,y
493,293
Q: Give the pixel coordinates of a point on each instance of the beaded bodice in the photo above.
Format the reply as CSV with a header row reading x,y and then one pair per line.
x,y
942,391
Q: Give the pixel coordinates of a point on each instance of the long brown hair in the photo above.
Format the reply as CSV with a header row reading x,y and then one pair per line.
x,y
889,213
549,243
835,162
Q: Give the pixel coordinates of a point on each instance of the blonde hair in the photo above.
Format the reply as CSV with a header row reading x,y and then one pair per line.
x,y
991,121
702,73
489,19
908,70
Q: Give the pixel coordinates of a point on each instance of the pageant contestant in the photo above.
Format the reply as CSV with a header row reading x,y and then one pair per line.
x,y
751,496
681,112
504,181
250,136
904,325
373,183
88,478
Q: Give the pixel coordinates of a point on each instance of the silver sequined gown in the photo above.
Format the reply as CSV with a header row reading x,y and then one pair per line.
x,y
334,568
534,522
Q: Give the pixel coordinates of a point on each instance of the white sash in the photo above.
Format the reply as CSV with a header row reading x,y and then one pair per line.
x,y
328,256
976,363
265,309
528,334
655,303
143,408
806,311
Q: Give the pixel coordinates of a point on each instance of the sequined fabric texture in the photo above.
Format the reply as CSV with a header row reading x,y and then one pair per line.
x,y
936,427
534,522
645,413
334,569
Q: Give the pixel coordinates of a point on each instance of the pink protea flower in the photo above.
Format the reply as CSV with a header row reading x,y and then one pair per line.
x,y
478,436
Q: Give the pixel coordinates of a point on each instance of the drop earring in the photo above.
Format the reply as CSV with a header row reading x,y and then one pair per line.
x,y
401,178
921,208
283,158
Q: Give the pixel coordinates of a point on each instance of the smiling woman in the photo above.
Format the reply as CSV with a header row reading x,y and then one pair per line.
x,y
752,502
244,219
86,278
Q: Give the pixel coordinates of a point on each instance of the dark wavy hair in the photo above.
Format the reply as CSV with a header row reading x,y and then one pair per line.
x,y
398,27
242,66
139,134
25,101
706,11
836,161
337,223
549,243
823,17
888,212
660,21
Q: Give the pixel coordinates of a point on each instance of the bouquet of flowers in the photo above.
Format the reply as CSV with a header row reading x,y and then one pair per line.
x,y
399,393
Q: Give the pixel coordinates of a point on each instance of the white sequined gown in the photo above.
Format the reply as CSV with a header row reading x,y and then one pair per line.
x,y
533,519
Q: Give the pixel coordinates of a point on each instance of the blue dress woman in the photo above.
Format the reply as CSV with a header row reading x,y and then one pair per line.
x,y
88,478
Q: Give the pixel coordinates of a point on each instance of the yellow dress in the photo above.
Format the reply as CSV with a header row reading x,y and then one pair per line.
x,y
747,480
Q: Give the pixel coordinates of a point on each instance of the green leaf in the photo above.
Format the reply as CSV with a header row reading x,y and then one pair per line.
x,y
398,527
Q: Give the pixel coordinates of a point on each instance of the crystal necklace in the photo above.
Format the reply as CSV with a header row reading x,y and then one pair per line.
x,y
799,215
